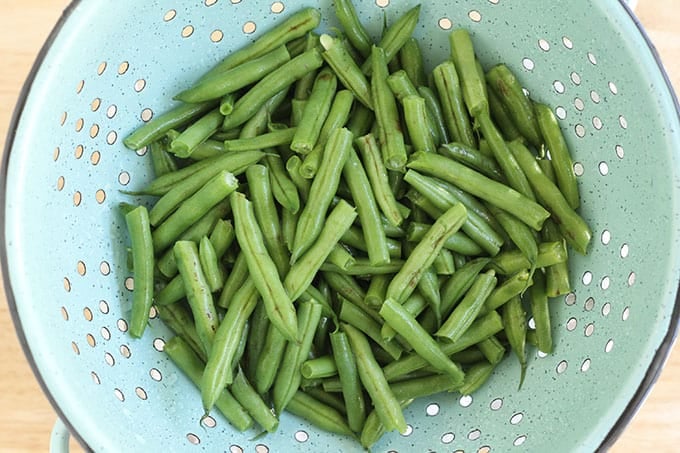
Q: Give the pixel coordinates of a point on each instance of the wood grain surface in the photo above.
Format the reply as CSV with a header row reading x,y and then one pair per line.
x,y
26,417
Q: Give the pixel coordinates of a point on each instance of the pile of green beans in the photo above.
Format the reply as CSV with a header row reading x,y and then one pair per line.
x,y
335,232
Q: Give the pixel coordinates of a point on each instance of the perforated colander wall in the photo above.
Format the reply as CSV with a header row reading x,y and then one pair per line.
x,y
115,66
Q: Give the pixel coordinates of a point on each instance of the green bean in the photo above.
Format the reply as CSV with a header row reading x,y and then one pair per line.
x,y
464,314
221,237
297,110
321,345
362,267
270,359
377,175
253,403
455,115
196,133
476,227
373,379
559,154
159,125
267,216
513,286
459,284
197,291
257,334
269,140
434,109
319,367
218,370
513,261
515,322
322,190
288,378
425,386
501,80
402,87
295,26
412,62
227,104
354,237
387,116
479,185
473,159
479,330
337,117
473,86
318,413
230,81
417,124
262,268
358,318
349,379
161,160
520,234
282,187
288,225
338,58
303,87
137,221
443,263
557,275
235,163
297,45
367,209
340,257
166,263
192,209
221,136
305,268
293,166
428,287
351,26
502,118
395,36
468,356
458,242
185,359
475,377
424,253
236,277
178,318
210,264
374,428
574,229
375,294
315,112
540,311
506,159
405,323
493,350
211,147
413,306
360,120
272,83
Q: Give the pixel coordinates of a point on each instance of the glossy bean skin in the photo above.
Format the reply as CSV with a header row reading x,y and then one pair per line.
x,y
348,374
139,228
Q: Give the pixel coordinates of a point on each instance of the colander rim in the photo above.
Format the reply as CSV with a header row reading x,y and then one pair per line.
x,y
651,376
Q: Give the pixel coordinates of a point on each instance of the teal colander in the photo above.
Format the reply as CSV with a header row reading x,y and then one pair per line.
x,y
109,65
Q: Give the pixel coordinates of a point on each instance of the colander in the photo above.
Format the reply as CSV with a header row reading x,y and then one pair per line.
x,y
109,66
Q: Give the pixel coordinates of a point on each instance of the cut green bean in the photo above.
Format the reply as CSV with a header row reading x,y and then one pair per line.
x,y
302,272
479,185
473,159
197,291
475,377
293,27
344,66
574,229
473,86
455,114
321,193
196,133
218,370
556,276
293,167
178,318
443,263
377,175
464,314
257,333
515,323
315,112
355,32
458,242
303,87
214,275
501,79
137,221
417,124
412,61
226,106
269,140
185,359
270,358
493,349
356,317
423,255
513,286
282,187
363,268
395,36
318,414
540,311
262,268
319,367
559,154
520,234
354,237
253,403
161,160
502,118
434,109
510,262
236,277
159,125
387,116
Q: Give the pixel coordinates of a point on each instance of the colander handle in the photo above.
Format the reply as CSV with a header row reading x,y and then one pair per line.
x,y
59,437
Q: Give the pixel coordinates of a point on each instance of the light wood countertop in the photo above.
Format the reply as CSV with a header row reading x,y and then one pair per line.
x,y
26,417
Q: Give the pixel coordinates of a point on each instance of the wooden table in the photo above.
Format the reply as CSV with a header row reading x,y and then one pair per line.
x,y
26,417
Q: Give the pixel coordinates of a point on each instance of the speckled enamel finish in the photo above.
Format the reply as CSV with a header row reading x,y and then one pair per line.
x,y
65,242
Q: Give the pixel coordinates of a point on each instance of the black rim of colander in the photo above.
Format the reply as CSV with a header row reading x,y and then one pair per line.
x,y
653,372
9,292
